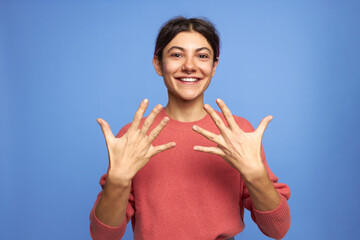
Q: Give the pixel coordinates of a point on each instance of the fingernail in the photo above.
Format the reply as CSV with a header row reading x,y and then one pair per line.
x,y
146,100
99,121
195,127
196,148
218,100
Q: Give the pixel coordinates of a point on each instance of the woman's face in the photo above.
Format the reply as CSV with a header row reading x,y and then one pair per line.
x,y
187,66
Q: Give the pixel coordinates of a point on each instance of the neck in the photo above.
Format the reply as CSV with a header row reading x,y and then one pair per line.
x,y
185,111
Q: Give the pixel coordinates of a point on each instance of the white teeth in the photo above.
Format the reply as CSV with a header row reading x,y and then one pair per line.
x,y
189,79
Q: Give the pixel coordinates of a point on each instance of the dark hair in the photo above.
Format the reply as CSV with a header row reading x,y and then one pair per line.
x,y
180,24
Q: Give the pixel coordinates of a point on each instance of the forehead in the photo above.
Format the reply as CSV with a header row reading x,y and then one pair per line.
x,y
189,41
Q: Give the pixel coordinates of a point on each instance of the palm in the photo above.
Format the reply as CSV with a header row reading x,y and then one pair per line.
x,y
240,149
129,153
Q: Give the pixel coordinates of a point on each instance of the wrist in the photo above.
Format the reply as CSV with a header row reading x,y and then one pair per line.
x,y
115,179
255,176
114,184
253,170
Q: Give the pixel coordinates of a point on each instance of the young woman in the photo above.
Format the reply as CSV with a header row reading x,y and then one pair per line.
x,y
187,171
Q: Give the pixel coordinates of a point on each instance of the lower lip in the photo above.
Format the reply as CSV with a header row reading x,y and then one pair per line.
x,y
188,83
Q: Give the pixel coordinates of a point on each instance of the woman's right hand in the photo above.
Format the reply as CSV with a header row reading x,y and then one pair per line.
x,y
128,154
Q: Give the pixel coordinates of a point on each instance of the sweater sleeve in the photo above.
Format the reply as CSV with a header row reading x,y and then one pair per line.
x,y
274,223
99,230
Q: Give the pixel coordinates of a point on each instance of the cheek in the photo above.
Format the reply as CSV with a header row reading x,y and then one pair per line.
x,y
208,68
169,67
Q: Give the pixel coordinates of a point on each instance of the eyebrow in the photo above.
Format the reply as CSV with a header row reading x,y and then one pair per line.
x,y
182,49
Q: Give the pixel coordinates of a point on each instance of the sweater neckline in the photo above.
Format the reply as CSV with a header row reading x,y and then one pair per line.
x,y
179,124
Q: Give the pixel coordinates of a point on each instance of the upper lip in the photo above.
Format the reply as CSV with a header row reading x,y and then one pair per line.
x,y
188,77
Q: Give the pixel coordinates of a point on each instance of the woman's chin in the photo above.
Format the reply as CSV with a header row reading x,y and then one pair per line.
x,y
190,97
186,96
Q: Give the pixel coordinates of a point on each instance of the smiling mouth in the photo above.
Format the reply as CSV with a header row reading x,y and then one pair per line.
x,y
188,79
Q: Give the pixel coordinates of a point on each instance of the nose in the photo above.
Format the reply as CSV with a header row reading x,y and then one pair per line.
x,y
189,65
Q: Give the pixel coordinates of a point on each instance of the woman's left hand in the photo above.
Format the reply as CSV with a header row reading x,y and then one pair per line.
x,y
242,150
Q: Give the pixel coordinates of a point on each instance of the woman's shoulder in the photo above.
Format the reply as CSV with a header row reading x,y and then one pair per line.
x,y
123,130
242,122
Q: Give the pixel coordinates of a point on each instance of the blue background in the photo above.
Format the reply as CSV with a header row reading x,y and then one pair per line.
x,y
63,64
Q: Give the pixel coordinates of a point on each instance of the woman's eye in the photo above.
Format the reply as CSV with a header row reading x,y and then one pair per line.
x,y
203,56
176,55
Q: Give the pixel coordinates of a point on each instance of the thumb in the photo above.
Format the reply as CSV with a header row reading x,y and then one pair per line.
x,y
263,124
105,129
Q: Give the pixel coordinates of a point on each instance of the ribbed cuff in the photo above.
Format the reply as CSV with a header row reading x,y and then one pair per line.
x,y
274,223
99,230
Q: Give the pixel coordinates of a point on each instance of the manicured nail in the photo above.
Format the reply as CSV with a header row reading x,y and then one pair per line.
x,y
146,100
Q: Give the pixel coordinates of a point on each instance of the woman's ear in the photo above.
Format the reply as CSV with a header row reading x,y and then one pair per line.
x,y
215,66
157,65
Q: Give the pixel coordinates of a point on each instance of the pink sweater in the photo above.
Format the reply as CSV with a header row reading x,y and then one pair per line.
x,y
184,194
